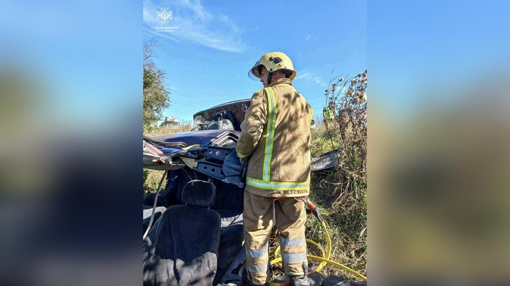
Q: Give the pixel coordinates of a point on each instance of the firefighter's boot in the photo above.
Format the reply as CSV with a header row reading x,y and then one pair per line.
x,y
300,280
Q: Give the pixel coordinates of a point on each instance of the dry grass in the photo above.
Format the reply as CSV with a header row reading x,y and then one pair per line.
x,y
341,193
183,127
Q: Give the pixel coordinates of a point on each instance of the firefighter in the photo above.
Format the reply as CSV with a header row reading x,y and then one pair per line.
x,y
276,139
329,111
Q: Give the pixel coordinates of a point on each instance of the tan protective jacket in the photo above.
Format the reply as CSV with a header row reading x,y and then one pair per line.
x,y
276,133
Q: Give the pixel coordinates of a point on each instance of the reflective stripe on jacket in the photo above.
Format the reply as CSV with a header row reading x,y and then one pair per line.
x,y
276,134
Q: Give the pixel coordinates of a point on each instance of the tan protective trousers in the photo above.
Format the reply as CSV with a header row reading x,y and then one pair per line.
x,y
290,215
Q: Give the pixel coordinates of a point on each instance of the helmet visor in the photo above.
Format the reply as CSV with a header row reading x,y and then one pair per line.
x,y
253,73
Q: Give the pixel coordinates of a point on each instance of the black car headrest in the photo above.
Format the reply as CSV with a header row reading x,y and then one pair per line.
x,y
199,193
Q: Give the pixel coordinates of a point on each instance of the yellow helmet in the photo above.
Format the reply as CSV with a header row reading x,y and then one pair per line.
x,y
273,61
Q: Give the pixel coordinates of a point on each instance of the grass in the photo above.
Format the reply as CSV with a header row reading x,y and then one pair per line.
x,y
156,131
345,214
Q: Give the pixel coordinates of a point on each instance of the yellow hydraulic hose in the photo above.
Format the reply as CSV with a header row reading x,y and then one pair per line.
x,y
328,240
337,265
324,260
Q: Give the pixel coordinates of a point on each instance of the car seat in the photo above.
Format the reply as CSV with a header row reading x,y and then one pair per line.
x,y
182,248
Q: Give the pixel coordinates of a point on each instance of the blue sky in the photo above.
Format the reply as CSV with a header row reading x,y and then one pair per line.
x,y
212,46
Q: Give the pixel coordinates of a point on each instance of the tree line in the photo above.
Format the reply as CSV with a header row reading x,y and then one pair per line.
x,y
156,97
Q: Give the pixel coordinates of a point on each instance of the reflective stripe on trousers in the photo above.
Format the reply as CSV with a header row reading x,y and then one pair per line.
x,y
293,252
258,259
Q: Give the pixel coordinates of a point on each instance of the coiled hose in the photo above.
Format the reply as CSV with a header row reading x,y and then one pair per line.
x,y
325,258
